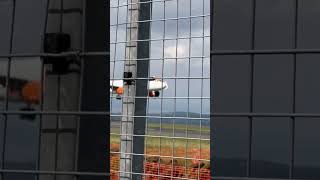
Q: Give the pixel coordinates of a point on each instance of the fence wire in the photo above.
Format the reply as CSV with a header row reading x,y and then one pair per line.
x,y
40,110
177,133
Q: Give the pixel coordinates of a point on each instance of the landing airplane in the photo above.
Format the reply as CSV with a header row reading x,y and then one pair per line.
x,y
155,85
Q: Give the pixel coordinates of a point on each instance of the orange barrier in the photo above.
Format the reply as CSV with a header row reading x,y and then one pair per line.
x,y
165,171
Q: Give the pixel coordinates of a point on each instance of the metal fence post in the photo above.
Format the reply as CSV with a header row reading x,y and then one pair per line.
x,y
94,129
129,92
141,88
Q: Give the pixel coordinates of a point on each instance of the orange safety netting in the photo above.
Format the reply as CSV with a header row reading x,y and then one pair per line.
x,y
152,171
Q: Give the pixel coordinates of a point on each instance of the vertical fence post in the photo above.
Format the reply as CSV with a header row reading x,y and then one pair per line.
x,y
141,88
127,119
94,130
130,125
211,90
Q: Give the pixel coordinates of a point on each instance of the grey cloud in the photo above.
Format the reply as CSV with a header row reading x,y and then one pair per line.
x,y
176,48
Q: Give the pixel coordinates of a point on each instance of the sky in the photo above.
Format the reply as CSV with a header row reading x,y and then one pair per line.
x,y
182,48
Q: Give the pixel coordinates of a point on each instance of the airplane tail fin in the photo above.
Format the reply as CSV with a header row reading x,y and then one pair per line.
x,y
166,86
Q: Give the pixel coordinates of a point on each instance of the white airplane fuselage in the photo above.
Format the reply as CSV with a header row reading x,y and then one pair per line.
x,y
153,86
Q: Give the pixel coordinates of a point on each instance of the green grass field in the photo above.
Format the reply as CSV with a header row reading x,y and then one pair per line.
x,y
156,142
177,127
181,127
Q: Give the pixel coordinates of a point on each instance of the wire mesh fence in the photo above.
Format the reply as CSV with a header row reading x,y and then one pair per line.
x,y
160,102
42,90
175,124
271,120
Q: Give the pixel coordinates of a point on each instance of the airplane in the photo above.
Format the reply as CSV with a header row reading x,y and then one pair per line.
x,y
155,85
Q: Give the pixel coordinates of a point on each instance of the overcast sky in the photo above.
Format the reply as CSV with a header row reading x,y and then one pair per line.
x,y
184,47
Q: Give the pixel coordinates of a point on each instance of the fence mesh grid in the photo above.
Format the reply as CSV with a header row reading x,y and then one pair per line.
x,y
39,117
177,133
